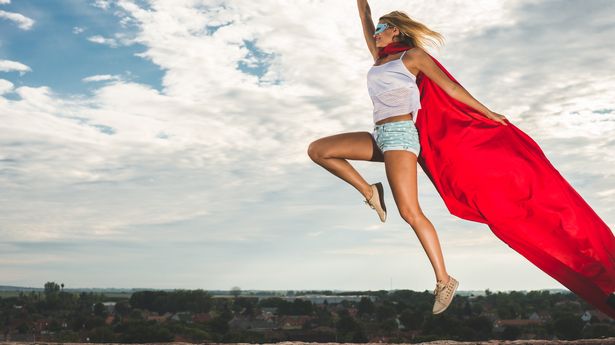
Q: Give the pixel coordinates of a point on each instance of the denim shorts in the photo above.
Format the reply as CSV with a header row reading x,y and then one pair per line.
x,y
397,135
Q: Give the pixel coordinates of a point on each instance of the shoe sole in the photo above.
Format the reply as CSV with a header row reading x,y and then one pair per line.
x,y
381,199
453,296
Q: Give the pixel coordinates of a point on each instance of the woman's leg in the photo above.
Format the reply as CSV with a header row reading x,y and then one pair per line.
x,y
400,166
331,153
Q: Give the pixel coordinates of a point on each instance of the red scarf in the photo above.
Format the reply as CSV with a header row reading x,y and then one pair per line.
x,y
392,48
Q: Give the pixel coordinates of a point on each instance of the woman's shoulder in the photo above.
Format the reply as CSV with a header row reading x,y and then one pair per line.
x,y
415,52
414,56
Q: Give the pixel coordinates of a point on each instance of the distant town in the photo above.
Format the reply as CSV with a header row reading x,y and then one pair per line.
x,y
55,313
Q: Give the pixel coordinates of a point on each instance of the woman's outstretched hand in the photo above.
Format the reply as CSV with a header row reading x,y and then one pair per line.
x,y
497,117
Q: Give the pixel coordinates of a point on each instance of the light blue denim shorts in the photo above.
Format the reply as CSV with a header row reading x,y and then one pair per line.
x,y
397,135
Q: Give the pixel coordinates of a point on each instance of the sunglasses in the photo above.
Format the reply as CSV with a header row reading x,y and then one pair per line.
x,y
381,27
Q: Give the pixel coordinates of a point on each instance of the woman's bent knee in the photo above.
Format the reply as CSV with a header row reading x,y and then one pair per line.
x,y
411,216
315,151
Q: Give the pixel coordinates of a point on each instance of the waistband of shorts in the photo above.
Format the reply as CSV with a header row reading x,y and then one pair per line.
x,y
395,123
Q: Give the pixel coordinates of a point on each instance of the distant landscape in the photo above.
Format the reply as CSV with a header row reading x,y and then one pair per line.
x,y
55,313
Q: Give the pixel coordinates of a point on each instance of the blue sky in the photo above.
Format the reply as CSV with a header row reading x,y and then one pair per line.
x,y
57,50
163,143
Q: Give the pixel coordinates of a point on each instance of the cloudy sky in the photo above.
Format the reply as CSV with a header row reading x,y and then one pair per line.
x,y
162,143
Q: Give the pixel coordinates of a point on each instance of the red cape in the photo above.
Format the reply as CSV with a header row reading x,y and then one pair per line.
x,y
495,174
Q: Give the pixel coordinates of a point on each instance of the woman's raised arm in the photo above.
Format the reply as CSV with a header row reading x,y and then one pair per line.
x,y
368,27
425,64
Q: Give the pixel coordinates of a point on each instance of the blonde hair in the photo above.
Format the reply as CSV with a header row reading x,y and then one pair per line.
x,y
411,32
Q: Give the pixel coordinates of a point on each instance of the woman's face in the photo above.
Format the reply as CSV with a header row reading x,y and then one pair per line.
x,y
383,38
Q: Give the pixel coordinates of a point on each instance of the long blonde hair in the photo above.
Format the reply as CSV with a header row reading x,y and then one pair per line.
x,y
411,32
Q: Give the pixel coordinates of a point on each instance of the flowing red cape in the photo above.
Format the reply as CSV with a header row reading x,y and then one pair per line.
x,y
495,174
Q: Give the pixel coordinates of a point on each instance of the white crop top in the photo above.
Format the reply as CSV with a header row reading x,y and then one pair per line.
x,y
393,90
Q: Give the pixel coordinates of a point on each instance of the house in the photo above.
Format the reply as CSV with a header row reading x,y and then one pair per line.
x,y
269,312
293,321
492,316
184,316
399,324
245,323
539,317
109,306
262,325
109,319
353,311
41,324
159,318
595,316
201,317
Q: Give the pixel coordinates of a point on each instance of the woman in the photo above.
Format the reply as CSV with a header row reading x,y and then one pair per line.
x,y
485,169
396,45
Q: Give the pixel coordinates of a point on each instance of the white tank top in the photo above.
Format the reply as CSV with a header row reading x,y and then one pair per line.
x,y
393,90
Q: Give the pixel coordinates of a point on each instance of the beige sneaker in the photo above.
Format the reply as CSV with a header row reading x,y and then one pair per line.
x,y
377,201
444,295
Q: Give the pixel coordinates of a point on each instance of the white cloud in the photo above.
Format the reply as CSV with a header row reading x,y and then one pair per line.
x,y
120,39
103,4
539,77
102,40
9,66
22,21
5,2
78,29
101,77
5,86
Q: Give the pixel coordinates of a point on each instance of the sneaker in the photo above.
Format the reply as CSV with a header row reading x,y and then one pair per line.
x,y
376,202
444,294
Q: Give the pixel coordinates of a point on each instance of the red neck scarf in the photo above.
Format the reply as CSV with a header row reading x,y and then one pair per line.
x,y
392,48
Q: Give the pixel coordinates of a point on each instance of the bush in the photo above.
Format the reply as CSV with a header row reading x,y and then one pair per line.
x,y
511,333
102,335
568,326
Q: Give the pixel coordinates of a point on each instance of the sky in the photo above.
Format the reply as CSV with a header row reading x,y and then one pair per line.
x,y
163,143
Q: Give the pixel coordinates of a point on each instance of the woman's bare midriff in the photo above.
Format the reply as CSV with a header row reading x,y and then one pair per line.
x,y
395,118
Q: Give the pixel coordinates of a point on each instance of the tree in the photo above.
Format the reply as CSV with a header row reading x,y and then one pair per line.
x,y
365,307
568,326
411,319
23,328
348,329
481,325
467,309
99,309
219,324
511,333
235,291
51,294
51,288
122,308
145,332
385,311
388,325
102,334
